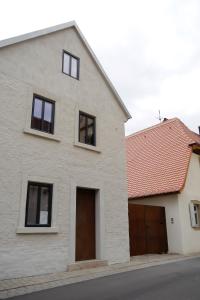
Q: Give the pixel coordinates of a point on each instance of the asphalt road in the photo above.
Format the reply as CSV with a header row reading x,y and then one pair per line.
x,y
173,281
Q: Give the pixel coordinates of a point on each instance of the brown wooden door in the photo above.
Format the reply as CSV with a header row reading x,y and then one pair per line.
x,y
147,229
137,229
85,224
156,237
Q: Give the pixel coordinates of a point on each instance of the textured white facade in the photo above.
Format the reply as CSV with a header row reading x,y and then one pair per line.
x,y
191,192
35,66
182,237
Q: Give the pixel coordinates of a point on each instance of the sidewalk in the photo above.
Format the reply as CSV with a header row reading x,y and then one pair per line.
x,y
26,285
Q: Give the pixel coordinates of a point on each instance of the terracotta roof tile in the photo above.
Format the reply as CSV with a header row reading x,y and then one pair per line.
x,y
158,158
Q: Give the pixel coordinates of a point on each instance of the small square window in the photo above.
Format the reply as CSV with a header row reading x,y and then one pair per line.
x,y
38,205
43,114
87,129
70,65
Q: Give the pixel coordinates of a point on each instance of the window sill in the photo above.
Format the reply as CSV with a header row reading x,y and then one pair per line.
x,y
196,227
30,230
87,147
42,134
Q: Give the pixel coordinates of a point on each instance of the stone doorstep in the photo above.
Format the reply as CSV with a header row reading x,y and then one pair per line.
x,y
87,264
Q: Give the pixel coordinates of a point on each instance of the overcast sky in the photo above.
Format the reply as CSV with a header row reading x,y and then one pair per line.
x,y
150,49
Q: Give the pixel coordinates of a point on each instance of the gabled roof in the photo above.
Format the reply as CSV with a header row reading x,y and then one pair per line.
x,y
158,158
49,30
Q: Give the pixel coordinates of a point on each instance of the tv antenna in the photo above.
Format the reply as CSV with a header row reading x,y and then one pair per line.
x,y
159,116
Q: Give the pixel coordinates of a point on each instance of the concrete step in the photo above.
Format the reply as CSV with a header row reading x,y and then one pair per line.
x,y
87,264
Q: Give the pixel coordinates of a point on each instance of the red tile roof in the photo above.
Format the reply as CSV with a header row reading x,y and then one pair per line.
x,y
158,158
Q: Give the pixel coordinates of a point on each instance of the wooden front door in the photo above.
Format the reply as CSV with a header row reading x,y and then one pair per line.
x,y
137,234
85,224
147,229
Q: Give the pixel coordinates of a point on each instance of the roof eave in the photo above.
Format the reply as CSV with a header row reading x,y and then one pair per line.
x,y
195,147
154,195
98,64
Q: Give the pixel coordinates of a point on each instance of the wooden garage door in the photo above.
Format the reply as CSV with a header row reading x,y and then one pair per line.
x,y
85,225
147,229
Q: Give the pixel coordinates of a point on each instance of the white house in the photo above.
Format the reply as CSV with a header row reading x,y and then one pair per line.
x,y
63,190
163,165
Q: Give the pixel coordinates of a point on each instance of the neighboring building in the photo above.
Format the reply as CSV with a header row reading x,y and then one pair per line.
x,y
63,183
164,184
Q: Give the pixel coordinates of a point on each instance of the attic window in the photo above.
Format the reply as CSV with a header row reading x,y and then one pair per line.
x,y
70,65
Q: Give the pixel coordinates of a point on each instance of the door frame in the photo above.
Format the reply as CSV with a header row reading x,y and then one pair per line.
x,y
99,219
86,200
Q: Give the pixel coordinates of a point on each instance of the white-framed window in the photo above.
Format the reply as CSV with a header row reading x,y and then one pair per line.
x,y
43,111
43,115
87,128
38,204
38,207
195,214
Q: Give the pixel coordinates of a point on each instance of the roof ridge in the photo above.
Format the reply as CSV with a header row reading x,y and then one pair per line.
x,y
36,33
153,127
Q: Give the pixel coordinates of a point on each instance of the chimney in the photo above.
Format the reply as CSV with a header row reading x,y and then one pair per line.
x,y
165,119
199,129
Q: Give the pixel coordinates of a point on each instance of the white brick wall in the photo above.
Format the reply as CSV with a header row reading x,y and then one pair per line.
x,y
35,67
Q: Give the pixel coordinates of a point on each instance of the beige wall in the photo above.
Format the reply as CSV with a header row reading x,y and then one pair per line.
x,y
191,191
170,202
35,67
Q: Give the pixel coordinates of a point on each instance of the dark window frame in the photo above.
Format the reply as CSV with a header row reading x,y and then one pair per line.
x,y
94,120
39,184
78,64
43,99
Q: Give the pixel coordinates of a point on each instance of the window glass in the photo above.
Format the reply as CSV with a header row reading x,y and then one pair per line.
x,y
196,214
82,128
44,198
70,65
37,108
91,135
48,111
86,129
38,205
43,114
90,121
82,136
32,205
66,66
82,121
74,67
